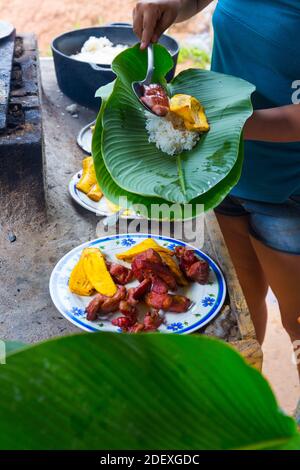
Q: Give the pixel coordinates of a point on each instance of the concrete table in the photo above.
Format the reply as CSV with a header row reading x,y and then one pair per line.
x,y
43,237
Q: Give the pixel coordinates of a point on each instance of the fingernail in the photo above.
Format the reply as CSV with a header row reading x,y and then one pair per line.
x,y
143,45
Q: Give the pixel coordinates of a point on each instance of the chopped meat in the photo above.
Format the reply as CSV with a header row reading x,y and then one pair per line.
x,y
111,304
120,274
149,264
159,286
198,272
156,98
141,290
138,260
185,256
179,304
162,271
152,321
127,309
94,307
154,89
101,304
168,302
136,328
158,301
192,267
123,322
131,300
135,294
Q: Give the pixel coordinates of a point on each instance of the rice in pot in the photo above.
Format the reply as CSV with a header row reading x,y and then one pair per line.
x,y
99,51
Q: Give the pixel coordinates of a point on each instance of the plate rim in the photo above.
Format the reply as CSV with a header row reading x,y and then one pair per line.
x,y
199,324
73,193
9,29
80,134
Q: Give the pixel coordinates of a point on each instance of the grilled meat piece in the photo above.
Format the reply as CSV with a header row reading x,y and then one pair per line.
x,y
198,272
149,264
135,294
120,274
123,322
128,310
152,321
185,256
192,267
156,98
101,304
139,260
179,304
94,307
141,290
131,300
158,301
159,286
168,302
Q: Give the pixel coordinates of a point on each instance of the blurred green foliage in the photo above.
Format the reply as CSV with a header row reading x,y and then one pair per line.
x,y
197,57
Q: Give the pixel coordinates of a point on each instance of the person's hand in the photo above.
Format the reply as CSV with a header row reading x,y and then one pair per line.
x,y
152,18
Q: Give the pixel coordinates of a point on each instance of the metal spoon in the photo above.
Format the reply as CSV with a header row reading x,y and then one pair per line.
x,y
138,87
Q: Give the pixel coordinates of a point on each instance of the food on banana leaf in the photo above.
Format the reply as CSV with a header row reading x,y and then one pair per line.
x,y
179,123
169,135
127,164
88,181
156,98
191,111
140,248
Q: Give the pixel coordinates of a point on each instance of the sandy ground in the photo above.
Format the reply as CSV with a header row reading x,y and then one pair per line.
x,y
49,19
278,366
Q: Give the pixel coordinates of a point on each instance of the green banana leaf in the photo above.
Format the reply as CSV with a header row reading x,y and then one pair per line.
x,y
137,166
143,205
110,391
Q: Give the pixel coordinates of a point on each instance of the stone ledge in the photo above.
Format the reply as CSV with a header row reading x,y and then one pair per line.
x,y
21,142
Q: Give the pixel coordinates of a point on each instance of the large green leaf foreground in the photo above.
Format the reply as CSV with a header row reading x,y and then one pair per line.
x,y
136,166
110,391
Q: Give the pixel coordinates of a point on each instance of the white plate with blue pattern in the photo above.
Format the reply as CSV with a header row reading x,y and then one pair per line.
x,y
207,299
100,208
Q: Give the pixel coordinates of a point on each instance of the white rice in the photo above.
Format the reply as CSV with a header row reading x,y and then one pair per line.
x,y
99,51
168,139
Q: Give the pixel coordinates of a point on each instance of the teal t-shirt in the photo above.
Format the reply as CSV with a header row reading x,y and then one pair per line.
x,y
258,40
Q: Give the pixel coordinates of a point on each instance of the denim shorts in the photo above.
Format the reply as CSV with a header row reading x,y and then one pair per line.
x,y
275,225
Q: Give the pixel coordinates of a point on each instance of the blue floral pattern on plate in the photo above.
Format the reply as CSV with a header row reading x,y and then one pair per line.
x,y
77,311
175,326
128,242
208,301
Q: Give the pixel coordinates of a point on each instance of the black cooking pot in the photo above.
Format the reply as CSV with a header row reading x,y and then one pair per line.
x,y
80,80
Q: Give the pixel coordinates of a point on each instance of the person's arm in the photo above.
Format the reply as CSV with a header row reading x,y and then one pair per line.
x,y
280,124
152,17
